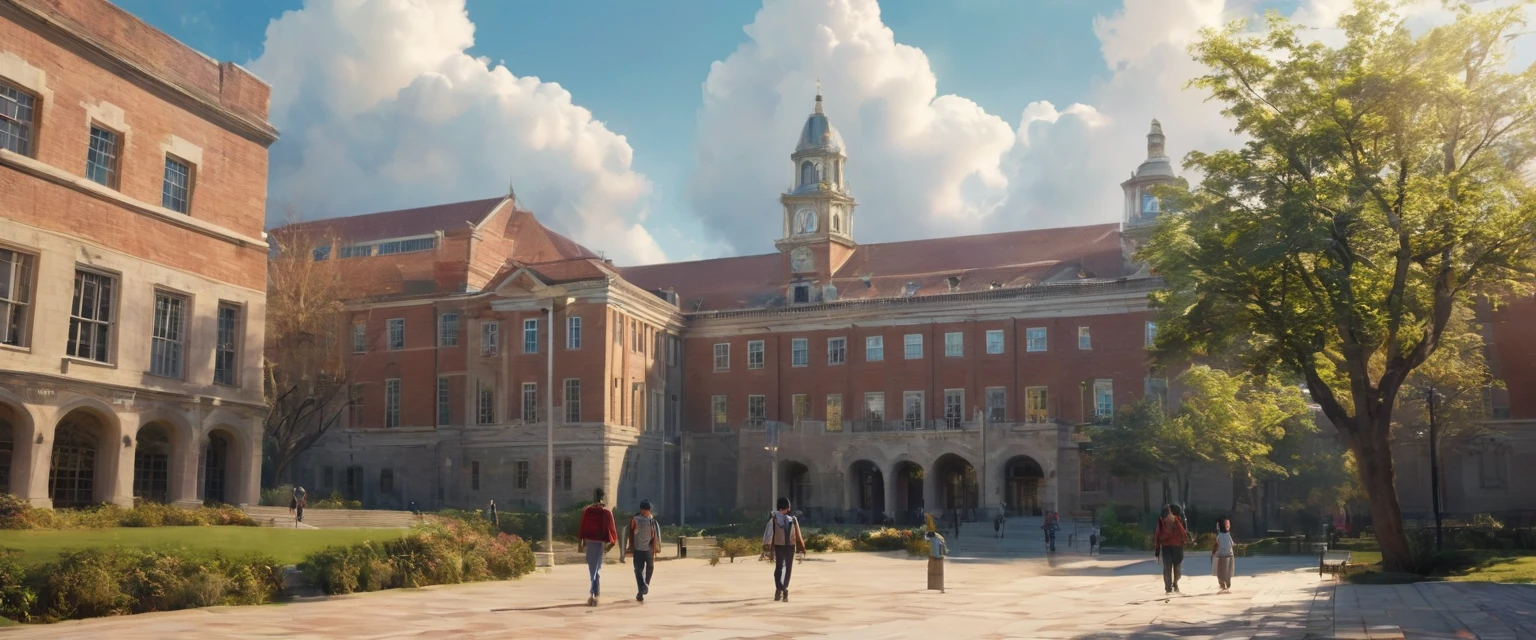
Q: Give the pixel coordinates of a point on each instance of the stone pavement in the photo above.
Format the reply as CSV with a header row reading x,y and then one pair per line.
x,y
1437,610
833,596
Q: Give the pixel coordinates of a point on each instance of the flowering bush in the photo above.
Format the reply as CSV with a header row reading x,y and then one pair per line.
x,y
18,514
440,552
824,542
886,539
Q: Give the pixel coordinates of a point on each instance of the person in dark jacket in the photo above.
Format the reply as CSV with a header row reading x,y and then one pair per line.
x,y
597,534
1168,540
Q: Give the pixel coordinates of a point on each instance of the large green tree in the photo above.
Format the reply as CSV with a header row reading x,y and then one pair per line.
x,y
1379,189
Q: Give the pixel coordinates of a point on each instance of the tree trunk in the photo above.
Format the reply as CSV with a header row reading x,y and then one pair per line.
x,y
1373,459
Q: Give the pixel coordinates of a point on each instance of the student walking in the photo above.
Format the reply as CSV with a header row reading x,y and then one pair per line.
x,y
1223,560
1093,541
495,518
783,535
997,524
1169,541
937,549
644,536
598,534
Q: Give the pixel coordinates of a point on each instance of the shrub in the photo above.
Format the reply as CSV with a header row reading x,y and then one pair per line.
x,y
333,501
733,547
17,514
440,552
1486,521
278,496
917,546
117,580
886,539
827,542
1130,536
16,597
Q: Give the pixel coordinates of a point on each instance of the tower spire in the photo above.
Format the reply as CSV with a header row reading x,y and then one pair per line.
x,y
1155,140
818,94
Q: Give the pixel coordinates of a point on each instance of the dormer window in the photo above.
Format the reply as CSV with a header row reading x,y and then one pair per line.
x,y
807,173
800,293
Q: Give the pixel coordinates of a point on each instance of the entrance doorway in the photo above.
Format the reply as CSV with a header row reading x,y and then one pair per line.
x,y
72,476
1025,478
152,464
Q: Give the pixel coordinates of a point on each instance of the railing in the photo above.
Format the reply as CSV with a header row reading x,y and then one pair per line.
x,y
940,424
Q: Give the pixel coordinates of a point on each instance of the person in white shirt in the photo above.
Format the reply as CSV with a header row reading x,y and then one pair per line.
x,y
1222,560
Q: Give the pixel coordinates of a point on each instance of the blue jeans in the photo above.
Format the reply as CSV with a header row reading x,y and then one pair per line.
x,y
594,562
645,564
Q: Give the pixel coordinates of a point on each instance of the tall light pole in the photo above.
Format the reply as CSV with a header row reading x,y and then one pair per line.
x,y
549,436
682,491
1434,465
771,430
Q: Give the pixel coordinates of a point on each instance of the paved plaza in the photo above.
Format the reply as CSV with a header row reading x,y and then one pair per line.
x,y
856,595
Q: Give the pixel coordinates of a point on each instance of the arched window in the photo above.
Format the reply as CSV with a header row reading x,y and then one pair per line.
x,y
807,173
837,222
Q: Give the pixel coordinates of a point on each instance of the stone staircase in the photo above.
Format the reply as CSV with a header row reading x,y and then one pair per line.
x,y
333,518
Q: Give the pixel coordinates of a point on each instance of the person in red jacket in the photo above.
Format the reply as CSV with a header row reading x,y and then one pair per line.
x,y
597,535
1168,543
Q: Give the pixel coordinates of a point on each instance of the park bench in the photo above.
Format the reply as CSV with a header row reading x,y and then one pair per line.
x,y
705,547
1332,561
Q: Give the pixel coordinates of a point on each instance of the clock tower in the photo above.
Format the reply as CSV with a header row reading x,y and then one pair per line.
x,y
1142,207
818,212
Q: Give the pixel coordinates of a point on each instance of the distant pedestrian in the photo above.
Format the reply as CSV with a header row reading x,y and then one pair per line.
x,y
783,535
494,517
1050,527
597,534
997,524
955,519
1223,561
937,549
293,505
300,494
1168,538
415,510
1093,540
644,536
298,509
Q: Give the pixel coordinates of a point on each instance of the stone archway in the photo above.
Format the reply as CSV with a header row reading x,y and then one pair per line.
x,y
797,484
10,431
79,474
868,491
220,467
907,476
153,455
1024,479
957,486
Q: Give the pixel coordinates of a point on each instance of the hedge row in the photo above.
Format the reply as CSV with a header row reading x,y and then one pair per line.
x,y
441,552
121,580
18,514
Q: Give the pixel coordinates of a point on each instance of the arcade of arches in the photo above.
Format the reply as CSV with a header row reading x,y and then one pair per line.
x,y
85,453
906,489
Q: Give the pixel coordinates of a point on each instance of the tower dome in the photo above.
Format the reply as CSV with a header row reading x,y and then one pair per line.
x,y
1157,163
818,134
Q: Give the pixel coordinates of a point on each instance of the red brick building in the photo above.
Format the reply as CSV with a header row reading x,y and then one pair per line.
x,y
132,262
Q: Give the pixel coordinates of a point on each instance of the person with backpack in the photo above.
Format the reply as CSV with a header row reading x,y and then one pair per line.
x,y
783,535
997,524
1168,542
597,535
644,536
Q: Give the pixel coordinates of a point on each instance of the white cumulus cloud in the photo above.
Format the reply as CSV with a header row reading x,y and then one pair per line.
x,y
380,107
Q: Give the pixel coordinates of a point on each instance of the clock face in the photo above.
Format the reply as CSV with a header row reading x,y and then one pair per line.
x,y
805,221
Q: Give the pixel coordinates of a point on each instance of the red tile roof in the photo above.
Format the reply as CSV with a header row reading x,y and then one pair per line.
x,y
403,223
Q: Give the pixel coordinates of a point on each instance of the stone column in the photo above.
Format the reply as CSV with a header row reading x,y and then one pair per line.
x,y
183,471
39,458
248,486
931,492
115,460
888,478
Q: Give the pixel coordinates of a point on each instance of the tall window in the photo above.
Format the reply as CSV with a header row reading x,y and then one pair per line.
x,y
1103,398
168,341
1084,339
912,409
834,412
444,405
1156,389
90,316
355,412
1151,336
572,400
176,194
954,407
634,336
801,407
954,344
520,474
837,350
485,404
874,348
530,402
448,330
801,293
618,330
997,404
226,356
359,338
474,475
874,407
16,113
1493,468
563,473
490,335
913,344
757,410
799,352
101,157
392,402
531,335
722,356
754,354
395,331
1034,339
15,296
573,332
994,341
386,480
717,411
1035,404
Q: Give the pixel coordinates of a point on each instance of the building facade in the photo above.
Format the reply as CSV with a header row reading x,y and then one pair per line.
x,y
132,262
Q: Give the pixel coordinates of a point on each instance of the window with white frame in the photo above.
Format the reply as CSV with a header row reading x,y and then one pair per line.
x,y
1036,404
485,403
396,333
837,350
722,356
490,335
834,412
448,330
1156,389
757,410
754,354
874,407
91,316
169,340
954,407
874,348
912,409
563,473
1034,339
913,344
800,406
997,404
409,245
1151,337
799,352
392,402
15,297
994,341
1084,339
176,192
226,349
17,112
1104,398
520,474
717,411
101,157
444,406
572,400
530,402
359,338
954,344
618,329
531,335
573,333
355,396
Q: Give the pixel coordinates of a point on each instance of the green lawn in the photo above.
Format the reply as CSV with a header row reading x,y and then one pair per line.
x,y
289,546
1469,566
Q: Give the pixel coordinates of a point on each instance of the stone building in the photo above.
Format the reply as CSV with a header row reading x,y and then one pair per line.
x,y
132,262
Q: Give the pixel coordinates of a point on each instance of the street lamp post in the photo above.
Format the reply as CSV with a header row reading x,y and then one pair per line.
x,y
1434,465
682,493
771,430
